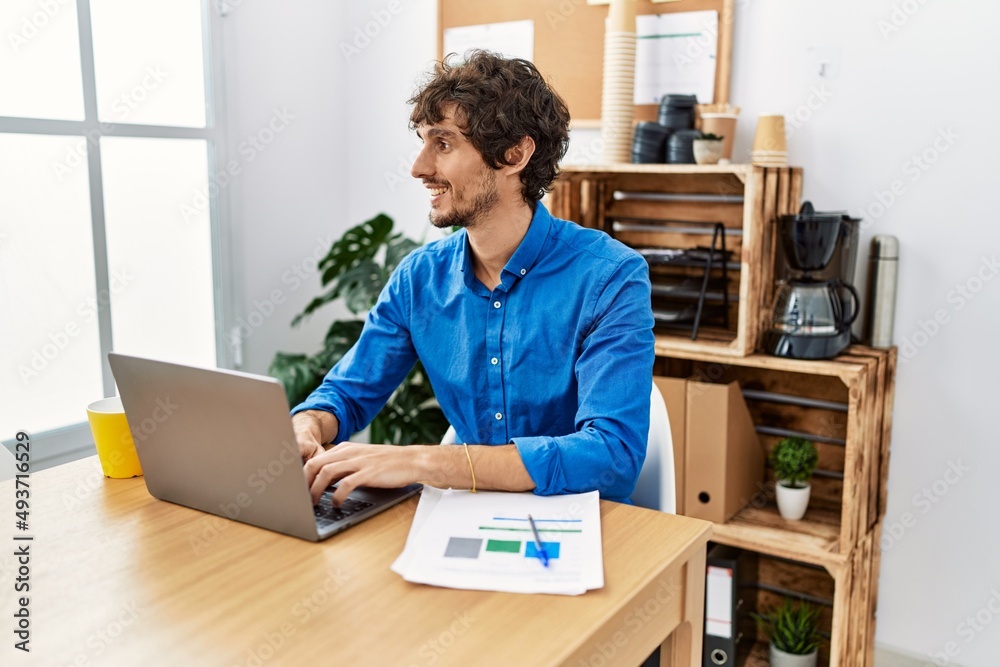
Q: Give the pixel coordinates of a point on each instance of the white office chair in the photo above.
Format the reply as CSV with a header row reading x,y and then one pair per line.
x,y
656,486
8,464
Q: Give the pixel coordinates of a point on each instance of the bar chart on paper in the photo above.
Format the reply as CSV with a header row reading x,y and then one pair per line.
x,y
485,542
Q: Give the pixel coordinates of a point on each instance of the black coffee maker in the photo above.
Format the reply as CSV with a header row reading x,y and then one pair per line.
x,y
815,302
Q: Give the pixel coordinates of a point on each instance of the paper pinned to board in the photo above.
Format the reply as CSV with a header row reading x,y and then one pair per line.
x,y
676,53
483,541
512,39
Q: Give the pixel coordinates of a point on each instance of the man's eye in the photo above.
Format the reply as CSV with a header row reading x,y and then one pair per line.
x,y
443,145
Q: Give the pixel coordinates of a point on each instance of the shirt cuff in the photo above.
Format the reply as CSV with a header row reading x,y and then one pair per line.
x,y
327,405
541,459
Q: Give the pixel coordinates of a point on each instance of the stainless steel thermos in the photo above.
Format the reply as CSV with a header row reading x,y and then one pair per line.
x,y
883,264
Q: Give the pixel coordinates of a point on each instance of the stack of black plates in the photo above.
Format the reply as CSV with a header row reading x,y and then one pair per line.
x,y
649,143
680,146
677,111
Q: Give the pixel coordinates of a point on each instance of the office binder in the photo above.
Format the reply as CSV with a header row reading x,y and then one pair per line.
x,y
723,457
730,595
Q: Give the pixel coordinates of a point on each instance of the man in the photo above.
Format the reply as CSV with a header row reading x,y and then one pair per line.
x,y
536,333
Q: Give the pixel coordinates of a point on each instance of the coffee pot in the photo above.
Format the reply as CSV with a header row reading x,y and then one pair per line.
x,y
814,307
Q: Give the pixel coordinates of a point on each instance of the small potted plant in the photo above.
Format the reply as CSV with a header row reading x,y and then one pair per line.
x,y
793,460
708,149
793,631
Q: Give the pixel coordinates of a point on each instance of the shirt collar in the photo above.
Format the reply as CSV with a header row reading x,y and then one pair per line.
x,y
523,259
527,252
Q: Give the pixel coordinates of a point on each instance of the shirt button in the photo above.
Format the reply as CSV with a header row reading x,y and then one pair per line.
x,y
494,361
496,304
498,416
523,271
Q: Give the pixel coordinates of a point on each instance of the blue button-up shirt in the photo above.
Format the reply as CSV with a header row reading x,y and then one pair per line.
x,y
557,359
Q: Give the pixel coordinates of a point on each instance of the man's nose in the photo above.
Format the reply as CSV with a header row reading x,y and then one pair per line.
x,y
422,167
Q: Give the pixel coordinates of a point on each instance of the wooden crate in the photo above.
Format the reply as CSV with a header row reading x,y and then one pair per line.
x,y
849,420
746,199
845,595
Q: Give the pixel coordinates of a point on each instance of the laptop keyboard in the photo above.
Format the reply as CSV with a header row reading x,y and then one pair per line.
x,y
327,514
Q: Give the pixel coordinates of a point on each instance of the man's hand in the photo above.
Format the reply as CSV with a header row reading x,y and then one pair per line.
x,y
313,428
497,468
354,464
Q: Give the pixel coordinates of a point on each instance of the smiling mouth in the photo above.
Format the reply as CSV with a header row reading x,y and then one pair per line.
x,y
435,192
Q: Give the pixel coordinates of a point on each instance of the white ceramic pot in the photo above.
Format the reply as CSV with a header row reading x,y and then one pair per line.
x,y
781,659
707,151
792,501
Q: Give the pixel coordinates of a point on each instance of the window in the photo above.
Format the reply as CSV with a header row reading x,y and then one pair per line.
x,y
110,234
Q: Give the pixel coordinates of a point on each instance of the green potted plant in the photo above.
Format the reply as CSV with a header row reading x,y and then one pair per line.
x,y
355,270
793,631
708,149
793,461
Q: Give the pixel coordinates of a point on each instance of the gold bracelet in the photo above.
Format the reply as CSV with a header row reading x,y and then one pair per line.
x,y
471,469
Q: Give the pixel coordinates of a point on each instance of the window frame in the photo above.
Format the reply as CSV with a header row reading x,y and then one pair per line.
x,y
68,443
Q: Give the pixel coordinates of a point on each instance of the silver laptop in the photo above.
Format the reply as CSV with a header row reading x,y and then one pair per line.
x,y
222,442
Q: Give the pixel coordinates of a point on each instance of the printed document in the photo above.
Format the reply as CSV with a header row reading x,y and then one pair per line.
x,y
483,541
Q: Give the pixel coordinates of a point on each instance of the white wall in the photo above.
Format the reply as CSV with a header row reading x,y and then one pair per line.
x,y
382,78
290,200
889,99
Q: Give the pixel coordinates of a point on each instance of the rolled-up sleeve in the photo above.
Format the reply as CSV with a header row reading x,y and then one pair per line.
x,y
359,385
614,378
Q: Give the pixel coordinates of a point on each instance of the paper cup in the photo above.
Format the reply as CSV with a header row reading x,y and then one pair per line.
x,y
113,439
770,134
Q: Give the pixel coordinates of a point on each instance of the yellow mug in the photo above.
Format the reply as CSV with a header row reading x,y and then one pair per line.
x,y
115,447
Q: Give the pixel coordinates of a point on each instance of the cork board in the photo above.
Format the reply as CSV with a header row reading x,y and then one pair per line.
x,y
569,43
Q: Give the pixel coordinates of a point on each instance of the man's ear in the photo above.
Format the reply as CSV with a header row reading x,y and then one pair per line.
x,y
519,154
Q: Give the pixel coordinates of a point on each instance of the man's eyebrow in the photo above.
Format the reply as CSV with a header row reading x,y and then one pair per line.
x,y
440,132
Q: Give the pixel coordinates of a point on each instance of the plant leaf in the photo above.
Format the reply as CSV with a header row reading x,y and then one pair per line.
x,y
361,285
355,246
296,373
397,248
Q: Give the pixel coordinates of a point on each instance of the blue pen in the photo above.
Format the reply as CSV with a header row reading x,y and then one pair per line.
x,y
538,543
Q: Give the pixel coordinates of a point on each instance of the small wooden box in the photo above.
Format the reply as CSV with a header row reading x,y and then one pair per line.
x,y
676,206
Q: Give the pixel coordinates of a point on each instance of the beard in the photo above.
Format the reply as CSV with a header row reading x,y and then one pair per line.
x,y
466,216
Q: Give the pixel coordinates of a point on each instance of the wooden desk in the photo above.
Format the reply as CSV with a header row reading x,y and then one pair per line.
x,y
119,578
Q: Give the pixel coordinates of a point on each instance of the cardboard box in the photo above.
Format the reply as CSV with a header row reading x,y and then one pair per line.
x,y
723,457
718,458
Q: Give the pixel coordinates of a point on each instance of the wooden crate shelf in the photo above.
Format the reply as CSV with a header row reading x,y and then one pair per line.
x,y
832,553
846,598
745,199
850,423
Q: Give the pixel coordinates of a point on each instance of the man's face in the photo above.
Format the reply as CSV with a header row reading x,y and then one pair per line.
x,y
462,186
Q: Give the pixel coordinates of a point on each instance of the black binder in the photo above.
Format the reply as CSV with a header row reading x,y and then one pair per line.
x,y
730,596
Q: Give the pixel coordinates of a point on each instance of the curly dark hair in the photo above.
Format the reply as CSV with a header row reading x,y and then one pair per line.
x,y
499,102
